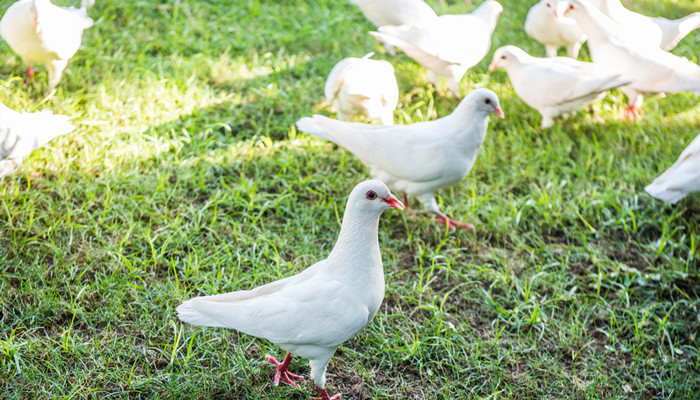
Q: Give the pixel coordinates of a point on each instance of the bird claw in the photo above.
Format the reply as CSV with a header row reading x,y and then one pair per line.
x,y
282,371
324,395
452,224
633,113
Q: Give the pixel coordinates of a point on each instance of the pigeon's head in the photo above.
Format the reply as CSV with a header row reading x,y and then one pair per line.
x,y
507,56
556,7
485,101
577,7
373,195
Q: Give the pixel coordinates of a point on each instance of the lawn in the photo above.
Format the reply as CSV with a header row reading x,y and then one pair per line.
x,y
186,177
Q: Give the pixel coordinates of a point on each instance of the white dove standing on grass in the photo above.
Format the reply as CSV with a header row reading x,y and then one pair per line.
x,y
659,31
418,158
449,45
682,178
547,24
650,69
396,12
311,313
22,133
41,32
363,86
557,85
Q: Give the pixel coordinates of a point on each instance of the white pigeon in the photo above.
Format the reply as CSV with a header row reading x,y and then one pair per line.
x,y
41,32
311,313
396,12
22,133
363,86
682,178
556,85
448,46
662,32
547,24
417,158
650,69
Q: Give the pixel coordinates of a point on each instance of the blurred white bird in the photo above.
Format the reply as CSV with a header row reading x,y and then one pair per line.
x,y
311,313
650,69
682,178
418,158
556,85
39,31
363,86
659,31
547,24
396,12
22,133
449,45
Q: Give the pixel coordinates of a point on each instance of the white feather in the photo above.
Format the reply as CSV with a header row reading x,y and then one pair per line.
x,y
682,178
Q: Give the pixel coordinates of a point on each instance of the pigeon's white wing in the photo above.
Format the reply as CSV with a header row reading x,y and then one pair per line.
x,y
559,80
681,178
414,152
302,309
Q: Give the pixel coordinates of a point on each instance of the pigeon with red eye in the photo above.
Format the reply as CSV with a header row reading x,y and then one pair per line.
x,y
417,158
311,313
555,86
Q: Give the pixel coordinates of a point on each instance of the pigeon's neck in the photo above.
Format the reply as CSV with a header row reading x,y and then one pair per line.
x,y
357,244
475,124
594,23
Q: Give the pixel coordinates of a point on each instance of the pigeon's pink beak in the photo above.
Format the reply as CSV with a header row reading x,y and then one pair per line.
x,y
493,66
393,202
499,112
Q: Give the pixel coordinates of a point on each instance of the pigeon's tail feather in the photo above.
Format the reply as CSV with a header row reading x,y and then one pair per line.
x,y
661,193
188,313
386,37
310,126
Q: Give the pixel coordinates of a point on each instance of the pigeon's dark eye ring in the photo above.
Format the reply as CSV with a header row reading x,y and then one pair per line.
x,y
371,195
487,101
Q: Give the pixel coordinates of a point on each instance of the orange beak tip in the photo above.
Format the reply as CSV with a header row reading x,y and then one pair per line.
x,y
394,202
499,112
492,66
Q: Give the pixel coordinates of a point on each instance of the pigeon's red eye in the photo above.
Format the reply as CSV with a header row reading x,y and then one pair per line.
x,y
503,57
571,6
487,101
371,195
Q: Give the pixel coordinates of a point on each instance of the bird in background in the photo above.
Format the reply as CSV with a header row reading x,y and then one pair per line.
x,y
41,32
681,179
650,69
555,86
22,133
659,31
362,86
396,12
449,45
546,23
418,158
311,313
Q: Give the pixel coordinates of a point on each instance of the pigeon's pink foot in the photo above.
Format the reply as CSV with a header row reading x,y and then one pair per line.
x,y
633,113
282,371
30,73
324,395
404,196
452,224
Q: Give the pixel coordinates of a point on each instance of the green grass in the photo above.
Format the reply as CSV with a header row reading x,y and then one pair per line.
x,y
186,176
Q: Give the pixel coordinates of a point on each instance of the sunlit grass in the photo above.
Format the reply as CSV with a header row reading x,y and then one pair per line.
x,y
186,176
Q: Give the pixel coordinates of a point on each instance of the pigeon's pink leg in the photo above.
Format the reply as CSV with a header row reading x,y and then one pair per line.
x,y
632,113
30,73
404,196
282,371
442,218
324,395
